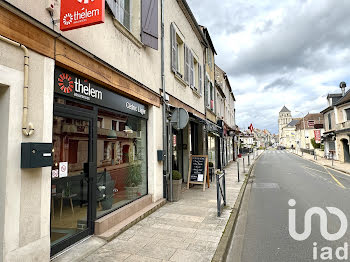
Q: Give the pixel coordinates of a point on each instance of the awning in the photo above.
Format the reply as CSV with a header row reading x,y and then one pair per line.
x,y
214,128
197,119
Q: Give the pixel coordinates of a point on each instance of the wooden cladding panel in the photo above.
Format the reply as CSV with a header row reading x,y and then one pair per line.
x,y
19,30
177,103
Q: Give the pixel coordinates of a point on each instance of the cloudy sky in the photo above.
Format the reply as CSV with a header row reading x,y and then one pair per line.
x,y
290,52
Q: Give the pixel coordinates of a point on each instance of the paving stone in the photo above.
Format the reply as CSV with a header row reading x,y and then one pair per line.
x,y
155,251
137,258
187,230
107,256
190,256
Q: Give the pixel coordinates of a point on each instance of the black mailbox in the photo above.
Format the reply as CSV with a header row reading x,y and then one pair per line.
x,y
160,155
36,155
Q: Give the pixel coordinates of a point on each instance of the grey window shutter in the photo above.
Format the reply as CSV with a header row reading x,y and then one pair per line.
x,y
192,70
188,66
206,91
200,78
173,47
149,18
186,63
113,6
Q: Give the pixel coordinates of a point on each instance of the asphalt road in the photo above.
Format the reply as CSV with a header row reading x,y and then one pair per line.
x,y
262,233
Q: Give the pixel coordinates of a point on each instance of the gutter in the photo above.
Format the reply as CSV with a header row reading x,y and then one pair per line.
x,y
27,128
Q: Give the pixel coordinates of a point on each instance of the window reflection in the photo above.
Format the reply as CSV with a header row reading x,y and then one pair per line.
x,y
121,160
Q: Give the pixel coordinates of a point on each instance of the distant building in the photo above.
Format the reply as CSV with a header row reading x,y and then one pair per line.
x,y
288,138
306,129
284,118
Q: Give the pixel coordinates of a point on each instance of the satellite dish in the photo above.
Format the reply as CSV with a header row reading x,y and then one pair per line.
x,y
179,118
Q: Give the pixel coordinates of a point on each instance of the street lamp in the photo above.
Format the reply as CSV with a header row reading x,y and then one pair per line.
x,y
303,123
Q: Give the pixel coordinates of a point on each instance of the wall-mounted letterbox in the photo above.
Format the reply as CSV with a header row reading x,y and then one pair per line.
x,y
36,155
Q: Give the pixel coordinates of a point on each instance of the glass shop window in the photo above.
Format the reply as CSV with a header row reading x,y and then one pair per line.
x,y
121,160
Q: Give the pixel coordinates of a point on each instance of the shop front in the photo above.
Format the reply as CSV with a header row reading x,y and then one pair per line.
x,y
100,156
213,132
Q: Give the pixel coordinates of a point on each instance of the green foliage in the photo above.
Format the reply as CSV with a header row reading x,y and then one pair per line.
x,y
314,144
211,164
134,176
176,175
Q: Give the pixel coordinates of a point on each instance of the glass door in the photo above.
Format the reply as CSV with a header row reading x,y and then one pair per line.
x,y
71,177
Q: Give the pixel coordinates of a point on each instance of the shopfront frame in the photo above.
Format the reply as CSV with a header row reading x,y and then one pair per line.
x,y
70,111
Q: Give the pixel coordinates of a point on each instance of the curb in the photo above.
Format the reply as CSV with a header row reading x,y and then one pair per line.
x,y
226,238
328,166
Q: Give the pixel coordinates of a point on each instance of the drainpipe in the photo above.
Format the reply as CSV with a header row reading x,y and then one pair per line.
x,y
165,155
27,129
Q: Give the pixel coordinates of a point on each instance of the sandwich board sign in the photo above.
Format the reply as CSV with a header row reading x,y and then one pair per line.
x,y
198,171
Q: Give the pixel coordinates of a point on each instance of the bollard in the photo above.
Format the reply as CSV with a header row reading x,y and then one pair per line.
x,y
332,159
243,166
238,170
248,160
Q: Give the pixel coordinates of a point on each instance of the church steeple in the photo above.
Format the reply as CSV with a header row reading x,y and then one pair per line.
x,y
284,109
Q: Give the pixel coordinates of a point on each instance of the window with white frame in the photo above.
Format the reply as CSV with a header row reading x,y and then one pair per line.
x,y
178,53
121,10
211,96
347,114
209,58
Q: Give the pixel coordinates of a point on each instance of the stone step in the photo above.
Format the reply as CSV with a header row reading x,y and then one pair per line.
x,y
108,221
113,232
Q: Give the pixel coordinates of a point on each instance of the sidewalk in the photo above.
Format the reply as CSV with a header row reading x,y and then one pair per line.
x,y
187,230
343,167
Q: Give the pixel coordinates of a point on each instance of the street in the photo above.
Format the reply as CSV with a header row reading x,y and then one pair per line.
x,y
262,231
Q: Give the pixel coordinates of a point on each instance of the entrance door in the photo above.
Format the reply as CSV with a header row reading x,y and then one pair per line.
x,y
72,173
346,150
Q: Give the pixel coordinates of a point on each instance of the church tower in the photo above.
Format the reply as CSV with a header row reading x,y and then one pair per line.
x,y
284,118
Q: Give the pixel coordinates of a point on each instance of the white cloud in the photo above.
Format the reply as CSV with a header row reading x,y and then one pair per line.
x,y
279,53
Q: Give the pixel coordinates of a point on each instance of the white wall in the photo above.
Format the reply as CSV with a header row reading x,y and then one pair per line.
x,y
27,206
4,120
174,14
107,42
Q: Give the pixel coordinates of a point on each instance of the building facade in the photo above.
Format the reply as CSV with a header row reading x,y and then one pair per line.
x,y
92,100
309,127
337,125
225,107
91,94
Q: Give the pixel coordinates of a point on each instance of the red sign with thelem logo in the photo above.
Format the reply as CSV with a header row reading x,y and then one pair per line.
x,y
80,13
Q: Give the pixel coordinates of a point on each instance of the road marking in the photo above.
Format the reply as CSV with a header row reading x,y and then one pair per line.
x,y
315,169
336,180
266,185
329,173
318,176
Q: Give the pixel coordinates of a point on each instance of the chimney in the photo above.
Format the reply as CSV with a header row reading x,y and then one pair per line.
x,y
342,86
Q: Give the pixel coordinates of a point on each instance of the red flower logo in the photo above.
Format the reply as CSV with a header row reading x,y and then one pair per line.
x,y
65,83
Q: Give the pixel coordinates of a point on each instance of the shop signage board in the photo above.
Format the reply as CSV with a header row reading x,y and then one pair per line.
x,y
75,86
198,171
317,133
80,13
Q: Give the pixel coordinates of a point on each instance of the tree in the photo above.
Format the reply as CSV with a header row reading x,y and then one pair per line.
x,y
314,144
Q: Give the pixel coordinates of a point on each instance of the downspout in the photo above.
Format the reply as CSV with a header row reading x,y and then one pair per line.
x,y
27,129
165,158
